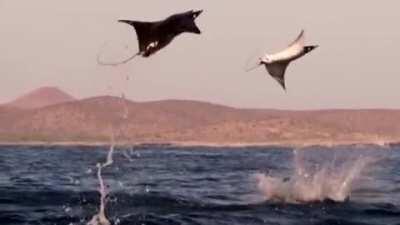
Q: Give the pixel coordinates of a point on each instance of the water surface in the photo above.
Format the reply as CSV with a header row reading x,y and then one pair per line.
x,y
191,185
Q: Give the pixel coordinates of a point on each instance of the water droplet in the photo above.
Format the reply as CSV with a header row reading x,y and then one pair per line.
x,y
117,221
67,209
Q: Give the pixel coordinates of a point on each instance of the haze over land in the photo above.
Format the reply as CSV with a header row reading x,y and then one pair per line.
x,y
90,120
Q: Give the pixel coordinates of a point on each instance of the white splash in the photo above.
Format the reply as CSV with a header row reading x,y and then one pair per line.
x,y
100,218
328,182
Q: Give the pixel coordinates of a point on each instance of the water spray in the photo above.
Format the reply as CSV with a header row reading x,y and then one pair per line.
x,y
101,218
329,181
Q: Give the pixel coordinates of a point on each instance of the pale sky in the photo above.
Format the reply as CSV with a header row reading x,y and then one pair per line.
x,y
55,43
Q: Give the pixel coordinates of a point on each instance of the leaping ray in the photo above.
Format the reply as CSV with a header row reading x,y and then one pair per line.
x,y
276,64
153,36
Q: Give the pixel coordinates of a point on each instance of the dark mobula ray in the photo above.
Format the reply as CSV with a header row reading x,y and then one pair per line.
x,y
153,36
277,63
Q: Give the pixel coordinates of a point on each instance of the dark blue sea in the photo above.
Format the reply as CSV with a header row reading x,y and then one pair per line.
x,y
166,185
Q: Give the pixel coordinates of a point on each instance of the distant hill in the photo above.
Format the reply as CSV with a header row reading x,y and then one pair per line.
x,y
41,97
92,119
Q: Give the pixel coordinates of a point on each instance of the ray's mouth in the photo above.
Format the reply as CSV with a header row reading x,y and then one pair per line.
x,y
197,13
195,28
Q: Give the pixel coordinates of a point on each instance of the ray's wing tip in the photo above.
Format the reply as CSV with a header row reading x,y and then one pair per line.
x,y
302,34
125,21
300,39
283,86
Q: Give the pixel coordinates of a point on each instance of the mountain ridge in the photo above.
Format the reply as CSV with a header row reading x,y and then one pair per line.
x,y
41,97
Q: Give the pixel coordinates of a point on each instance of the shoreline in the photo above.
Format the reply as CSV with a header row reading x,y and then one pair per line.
x,y
181,144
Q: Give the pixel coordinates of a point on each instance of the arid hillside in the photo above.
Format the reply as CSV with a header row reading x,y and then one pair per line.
x,y
94,119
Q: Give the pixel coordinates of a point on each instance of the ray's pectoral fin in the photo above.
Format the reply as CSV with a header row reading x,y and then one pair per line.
x,y
143,32
277,71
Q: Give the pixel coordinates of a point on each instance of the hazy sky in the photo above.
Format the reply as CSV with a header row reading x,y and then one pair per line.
x,y
54,43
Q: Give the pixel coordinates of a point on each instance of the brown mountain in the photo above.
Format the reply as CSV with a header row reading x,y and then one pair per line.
x,y
41,97
92,119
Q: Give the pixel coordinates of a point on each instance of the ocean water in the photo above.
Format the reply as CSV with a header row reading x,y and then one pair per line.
x,y
167,185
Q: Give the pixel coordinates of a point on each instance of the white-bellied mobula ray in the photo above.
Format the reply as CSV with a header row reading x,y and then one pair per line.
x,y
276,64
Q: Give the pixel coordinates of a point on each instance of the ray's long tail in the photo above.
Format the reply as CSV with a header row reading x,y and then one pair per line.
x,y
101,62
